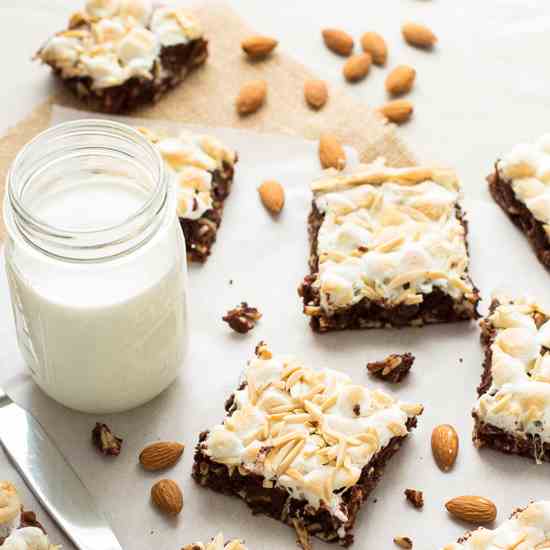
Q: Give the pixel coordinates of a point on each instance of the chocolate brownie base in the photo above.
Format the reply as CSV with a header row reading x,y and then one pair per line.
x,y
521,216
278,504
200,234
436,307
175,63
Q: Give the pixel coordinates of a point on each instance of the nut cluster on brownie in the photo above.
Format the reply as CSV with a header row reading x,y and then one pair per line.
x,y
217,543
15,534
521,186
201,168
309,434
526,529
513,410
388,247
121,53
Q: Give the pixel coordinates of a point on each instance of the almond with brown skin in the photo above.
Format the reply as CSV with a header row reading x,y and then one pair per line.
x,y
357,67
444,446
338,41
167,497
403,542
272,195
374,44
331,152
316,93
397,111
418,35
251,97
160,455
258,46
400,80
472,509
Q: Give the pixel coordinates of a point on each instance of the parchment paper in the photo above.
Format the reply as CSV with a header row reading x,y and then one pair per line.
x,y
262,260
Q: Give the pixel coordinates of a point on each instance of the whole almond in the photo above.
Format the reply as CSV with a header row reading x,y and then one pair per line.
x,y
472,509
167,496
397,111
357,67
374,44
316,93
331,152
251,97
418,35
444,446
400,80
160,455
272,195
258,46
338,41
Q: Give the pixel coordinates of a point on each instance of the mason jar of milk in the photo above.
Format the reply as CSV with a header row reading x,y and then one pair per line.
x,y
96,265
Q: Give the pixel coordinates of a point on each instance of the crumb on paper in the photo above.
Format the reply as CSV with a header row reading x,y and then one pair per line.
x,y
243,318
403,542
416,498
105,440
393,368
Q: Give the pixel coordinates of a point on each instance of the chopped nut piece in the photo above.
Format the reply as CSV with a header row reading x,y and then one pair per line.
x,y
393,368
303,535
243,318
105,440
404,542
416,498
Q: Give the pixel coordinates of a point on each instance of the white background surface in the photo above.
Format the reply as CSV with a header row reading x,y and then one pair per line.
x,y
484,88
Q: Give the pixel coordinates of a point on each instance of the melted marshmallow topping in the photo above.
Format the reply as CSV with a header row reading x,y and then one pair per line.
x,y
310,432
527,169
191,160
28,538
518,400
10,508
115,40
525,530
217,543
389,234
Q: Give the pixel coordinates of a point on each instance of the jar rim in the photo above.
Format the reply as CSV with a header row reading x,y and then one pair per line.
x,y
105,237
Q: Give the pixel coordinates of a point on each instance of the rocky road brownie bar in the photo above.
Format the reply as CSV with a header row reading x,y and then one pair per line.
x,y
217,543
120,54
303,446
202,169
526,529
520,185
512,413
388,248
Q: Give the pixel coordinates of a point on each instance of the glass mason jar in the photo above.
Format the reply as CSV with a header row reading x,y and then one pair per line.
x,y
95,259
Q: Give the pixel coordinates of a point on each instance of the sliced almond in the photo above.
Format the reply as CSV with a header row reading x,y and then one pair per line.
x,y
403,542
397,111
316,93
258,46
400,80
338,41
444,446
418,35
373,43
472,509
331,152
272,195
251,97
357,67
160,455
167,497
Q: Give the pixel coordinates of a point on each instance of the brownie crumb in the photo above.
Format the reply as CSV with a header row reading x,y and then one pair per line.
x,y
28,519
416,498
403,542
243,318
393,368
303,535
105,440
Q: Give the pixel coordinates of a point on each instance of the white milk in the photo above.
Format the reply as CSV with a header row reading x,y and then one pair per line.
x,y
101,336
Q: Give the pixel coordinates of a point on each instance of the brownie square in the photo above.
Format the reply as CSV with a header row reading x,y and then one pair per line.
x,y
302,446
512,414
202,169
119,54
527,528
388,249
217,543
520,185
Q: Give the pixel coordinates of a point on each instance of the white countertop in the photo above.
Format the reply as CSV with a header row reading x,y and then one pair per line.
x,y
481,90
